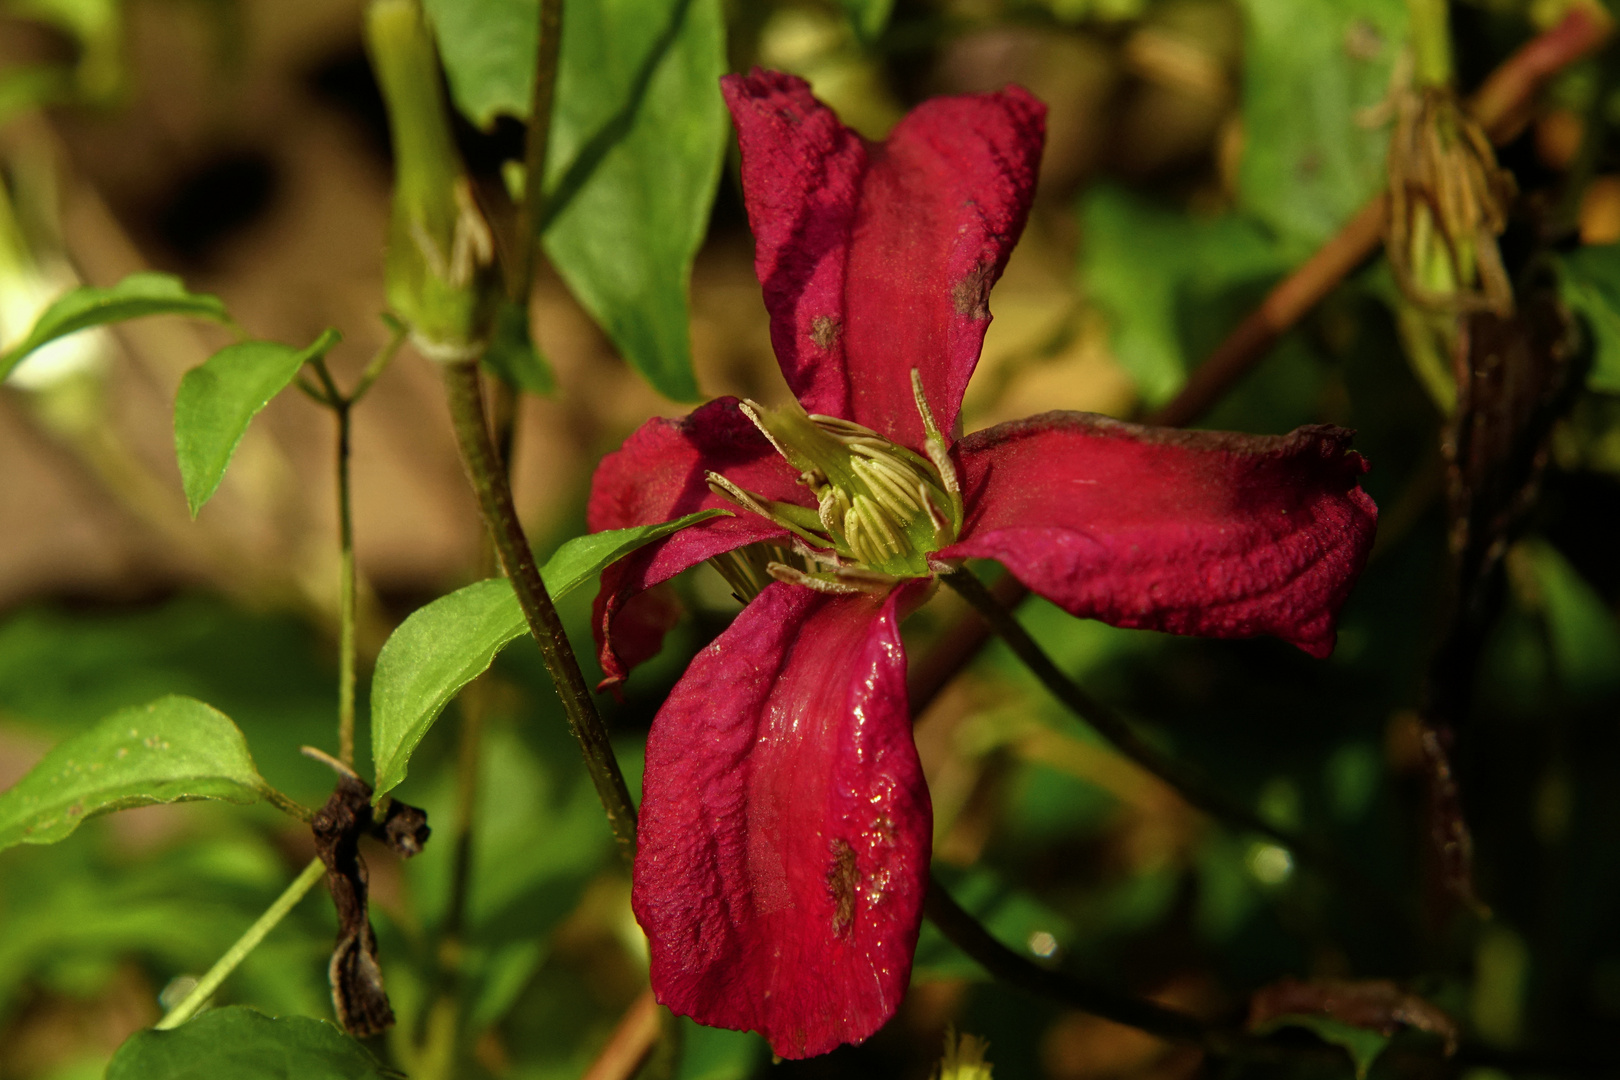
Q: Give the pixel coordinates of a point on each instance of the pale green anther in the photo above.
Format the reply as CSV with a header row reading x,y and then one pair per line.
x,y
939,452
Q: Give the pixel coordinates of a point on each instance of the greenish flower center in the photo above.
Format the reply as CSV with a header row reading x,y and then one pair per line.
x,y
881,509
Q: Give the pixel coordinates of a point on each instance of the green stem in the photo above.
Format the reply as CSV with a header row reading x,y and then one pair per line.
x,y
347,597
488,477
537,142
1116,729
396,337
245,944
1431,42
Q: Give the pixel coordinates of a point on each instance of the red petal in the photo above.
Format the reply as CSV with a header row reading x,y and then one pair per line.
x,y
785,825
877,259
658,475
1194,532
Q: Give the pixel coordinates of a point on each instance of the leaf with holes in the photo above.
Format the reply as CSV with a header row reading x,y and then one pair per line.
x,y
136,296
219,398
173,750
450,642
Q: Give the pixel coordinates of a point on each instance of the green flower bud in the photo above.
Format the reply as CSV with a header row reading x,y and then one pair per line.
x,y
440,252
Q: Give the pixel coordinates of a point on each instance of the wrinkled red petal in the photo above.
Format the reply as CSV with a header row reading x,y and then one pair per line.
x,y
659,475
785,825
877,259
1194,532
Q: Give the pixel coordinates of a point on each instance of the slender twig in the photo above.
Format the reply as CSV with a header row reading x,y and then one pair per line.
x,y
1192,786
488,477
1497,105
632,1040
397,332
346,597
536,143
968,934
245,944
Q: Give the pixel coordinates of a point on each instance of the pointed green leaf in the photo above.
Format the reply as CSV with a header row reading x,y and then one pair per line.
x,y
172,750
450,642
244,1044
637,140
135,296
218,399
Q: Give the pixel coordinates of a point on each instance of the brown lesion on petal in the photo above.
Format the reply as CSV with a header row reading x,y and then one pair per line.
x,y
971,295
842,877
824,330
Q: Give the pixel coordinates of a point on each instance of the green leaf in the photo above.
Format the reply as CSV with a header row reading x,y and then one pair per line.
x,y
869,18
1363,1045
172,750
1589,282
637,140
444,646
245,1044
1581,630
1153,271
135,296
1314,76
512,355
219,398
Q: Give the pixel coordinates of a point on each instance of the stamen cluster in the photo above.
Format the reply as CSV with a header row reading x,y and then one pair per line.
x,y
881,508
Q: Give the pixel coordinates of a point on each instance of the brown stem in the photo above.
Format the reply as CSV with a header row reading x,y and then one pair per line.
x,y
536,143
488,478
630,1042
1498,105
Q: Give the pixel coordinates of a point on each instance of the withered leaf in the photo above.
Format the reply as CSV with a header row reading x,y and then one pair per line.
x,y
358,996
1374,1004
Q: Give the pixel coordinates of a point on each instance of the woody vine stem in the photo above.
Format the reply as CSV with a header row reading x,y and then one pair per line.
x,y
464,391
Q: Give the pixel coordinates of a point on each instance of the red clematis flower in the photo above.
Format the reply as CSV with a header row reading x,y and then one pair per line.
x,y
785,823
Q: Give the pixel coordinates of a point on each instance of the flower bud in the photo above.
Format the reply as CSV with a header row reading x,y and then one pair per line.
x,y
440,252
1448,204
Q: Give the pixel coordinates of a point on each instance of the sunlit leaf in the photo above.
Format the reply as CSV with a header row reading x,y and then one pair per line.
x,y
244,1044
1589,282
1153,270
172,750
637,138
1316,88
219,398
450,642
135,296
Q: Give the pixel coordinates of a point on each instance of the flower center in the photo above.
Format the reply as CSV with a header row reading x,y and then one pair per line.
x,y
881,508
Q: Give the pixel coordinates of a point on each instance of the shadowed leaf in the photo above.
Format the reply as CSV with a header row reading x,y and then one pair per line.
x,y
172,750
